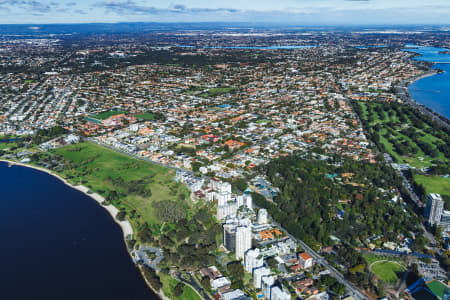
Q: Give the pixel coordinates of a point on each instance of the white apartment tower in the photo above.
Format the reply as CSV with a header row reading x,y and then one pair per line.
x,y
253,260
279,294
266,286
434,209
243,238
245,200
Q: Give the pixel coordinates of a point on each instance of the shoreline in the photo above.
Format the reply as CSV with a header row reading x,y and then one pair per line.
x,y
112,210
435,116
125,226
429,73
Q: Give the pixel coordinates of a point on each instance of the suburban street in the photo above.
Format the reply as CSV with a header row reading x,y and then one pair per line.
x,y
354,291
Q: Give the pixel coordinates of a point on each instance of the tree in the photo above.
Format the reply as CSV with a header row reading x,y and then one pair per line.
x,y
121,216
169,211
152,278
235,270
206,283
419,244
178,290
240,184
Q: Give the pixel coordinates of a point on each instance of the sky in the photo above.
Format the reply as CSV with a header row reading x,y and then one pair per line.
x,y
301,12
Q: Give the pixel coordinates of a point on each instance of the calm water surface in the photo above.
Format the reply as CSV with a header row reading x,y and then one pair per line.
x,y
57,243
433,91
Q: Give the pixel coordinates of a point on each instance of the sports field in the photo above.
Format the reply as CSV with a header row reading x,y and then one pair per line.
x,y
387,271
386,268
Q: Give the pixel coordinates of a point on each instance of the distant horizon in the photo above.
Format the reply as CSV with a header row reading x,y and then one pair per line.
x,y
241,22
323,12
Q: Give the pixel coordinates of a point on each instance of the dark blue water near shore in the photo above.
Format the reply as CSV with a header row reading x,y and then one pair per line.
x,y
57,243
433,91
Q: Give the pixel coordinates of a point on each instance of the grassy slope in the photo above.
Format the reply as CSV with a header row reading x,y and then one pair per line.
x,y
94,164
7,145
102,163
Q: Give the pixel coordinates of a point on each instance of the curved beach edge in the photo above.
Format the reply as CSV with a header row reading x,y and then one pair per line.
x,y
112,210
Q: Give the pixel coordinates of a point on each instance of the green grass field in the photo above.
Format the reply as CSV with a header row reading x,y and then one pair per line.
x,y
214,92
434,184
385,267
387,270
146,116
95,166
107,114
437,288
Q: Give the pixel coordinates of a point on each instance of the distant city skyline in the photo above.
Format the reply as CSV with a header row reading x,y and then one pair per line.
x,y
302,12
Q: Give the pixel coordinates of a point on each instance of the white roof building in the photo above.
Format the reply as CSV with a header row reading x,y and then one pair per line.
x,y
220,282
258,274
253,260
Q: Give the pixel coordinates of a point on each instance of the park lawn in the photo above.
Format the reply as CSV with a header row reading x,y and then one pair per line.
x,y
169,284
94,166
387,270
146,116
434,184
107,114
213,92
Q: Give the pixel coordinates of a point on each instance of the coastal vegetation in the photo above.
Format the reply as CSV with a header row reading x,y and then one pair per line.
x,y
158,208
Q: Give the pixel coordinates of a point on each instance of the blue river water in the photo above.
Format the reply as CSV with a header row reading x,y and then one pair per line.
x,y
57,243
433,91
